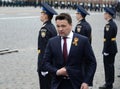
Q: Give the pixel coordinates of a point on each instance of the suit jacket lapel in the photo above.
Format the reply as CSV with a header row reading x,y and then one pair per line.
x,y
59,49
58,43
71,48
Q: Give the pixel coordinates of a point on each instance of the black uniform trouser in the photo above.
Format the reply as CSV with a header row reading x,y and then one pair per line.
x,y
44,81
109,69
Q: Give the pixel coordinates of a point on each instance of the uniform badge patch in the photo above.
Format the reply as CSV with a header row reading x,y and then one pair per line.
x,y
43,33
79,28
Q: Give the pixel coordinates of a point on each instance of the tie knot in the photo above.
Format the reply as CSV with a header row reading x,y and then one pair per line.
x,y
64,38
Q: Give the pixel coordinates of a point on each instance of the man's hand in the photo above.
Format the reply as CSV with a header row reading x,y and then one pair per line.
x,y
84,86
62,72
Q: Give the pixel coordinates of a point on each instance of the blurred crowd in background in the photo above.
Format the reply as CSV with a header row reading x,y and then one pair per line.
x,y
92,5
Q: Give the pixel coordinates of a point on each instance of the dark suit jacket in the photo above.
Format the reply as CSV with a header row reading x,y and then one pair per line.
x,y
110,31
54,60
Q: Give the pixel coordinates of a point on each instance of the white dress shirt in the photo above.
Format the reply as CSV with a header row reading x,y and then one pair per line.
x,y
68,40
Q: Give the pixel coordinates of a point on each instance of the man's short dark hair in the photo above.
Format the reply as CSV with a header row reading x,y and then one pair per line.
x,y
64,16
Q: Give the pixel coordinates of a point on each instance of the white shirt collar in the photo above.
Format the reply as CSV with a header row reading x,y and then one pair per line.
x,y
70,35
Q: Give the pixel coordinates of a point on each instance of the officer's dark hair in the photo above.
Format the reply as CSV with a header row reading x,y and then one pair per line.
x,y
50,17
64,16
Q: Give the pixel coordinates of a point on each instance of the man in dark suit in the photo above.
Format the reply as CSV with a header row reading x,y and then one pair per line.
x,y
109,49
46,32
83,27
64,57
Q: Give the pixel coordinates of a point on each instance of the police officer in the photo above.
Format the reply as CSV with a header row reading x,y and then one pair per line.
x,y
83,28
109,49
46,32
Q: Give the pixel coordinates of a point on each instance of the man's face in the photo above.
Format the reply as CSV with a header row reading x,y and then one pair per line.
x,y
78,16
106,16
43,16
63,27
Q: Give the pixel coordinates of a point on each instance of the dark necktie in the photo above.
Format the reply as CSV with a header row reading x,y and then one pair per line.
x,y
65,48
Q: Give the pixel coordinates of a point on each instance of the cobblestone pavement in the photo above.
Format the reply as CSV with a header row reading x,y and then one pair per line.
x,y
19,29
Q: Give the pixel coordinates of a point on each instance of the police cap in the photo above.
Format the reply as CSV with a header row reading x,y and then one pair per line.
x,y
82,11
109,11
48,9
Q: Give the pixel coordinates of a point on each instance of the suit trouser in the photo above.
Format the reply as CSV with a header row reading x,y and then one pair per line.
x,y
109,69
44,81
